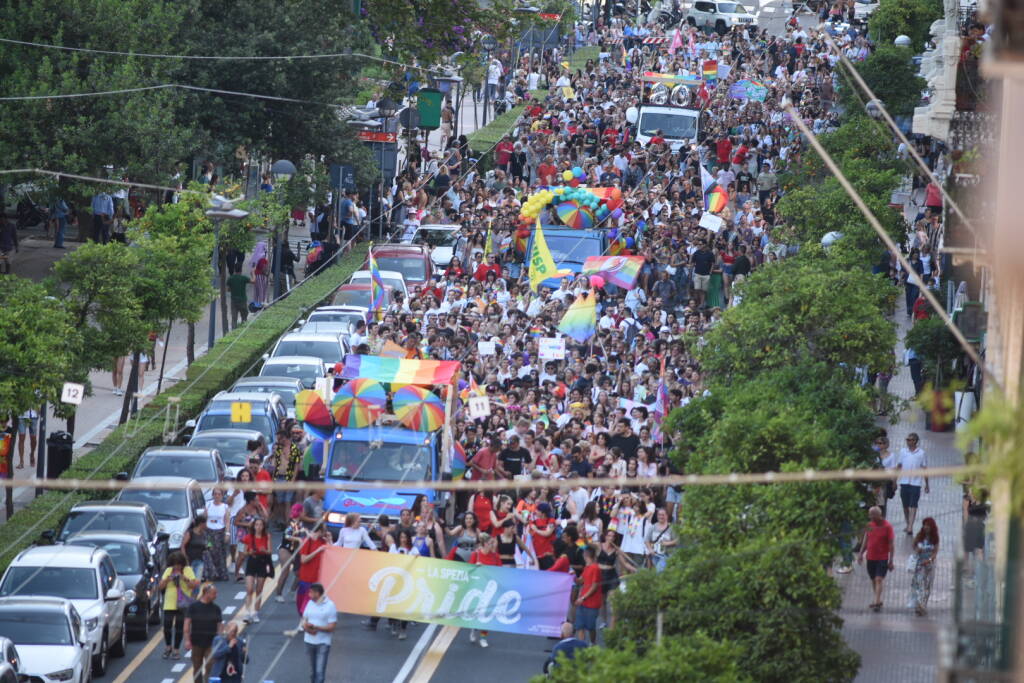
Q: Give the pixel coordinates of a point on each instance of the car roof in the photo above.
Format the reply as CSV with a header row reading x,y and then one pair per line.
x,y
393,274
186,451
342,308
239,432
309,336
294,360
164,479
104,504
56,555
241,396
401,249
350,286
266,380
121,536
35,602
439,226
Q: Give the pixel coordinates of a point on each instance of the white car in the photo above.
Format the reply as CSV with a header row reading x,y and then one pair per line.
x,y
719,15
306,369
175,508
86,577
50,637
391,278
443,241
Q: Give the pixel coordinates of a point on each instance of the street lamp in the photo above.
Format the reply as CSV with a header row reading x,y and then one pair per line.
x,y
283,167
220,209
489,44
386,108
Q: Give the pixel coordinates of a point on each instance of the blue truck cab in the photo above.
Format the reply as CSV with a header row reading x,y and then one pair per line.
x,y
569,248
407,458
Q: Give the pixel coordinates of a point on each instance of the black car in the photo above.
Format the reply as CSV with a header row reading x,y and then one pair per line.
x,y
138,570
113,516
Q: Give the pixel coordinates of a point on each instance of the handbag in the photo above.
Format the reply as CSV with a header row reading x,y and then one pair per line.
x,y
912,563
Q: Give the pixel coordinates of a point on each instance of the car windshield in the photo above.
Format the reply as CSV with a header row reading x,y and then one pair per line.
x,y
675,126
36,627
731,8
328,351
301,371
260,423
232,448
165,504
287,393
346,319
436,238
125,555
393,283
104,520
411,267
71,583
352,297
572,249
200,468
359,461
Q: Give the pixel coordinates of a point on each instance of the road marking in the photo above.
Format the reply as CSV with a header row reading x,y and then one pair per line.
x,y
767,10
167,680
178,667
137,661
432,659
240,595
414,656
230,609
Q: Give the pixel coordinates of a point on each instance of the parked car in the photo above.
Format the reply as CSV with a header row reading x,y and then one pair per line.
x,y
444,242
232,444
265,413
86,577
719,15
285,387
201,464
139,571
329,347
51,640
411,260
358,294
176,506
344,315
9,655
8,674
306,369
390,278
113,515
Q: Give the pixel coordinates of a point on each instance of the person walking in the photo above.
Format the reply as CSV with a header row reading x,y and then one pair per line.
x,y
177,583
229,654
318,621
218,516
926,549
237,286
102,214
260,266
59,212
27,425
879,546
203,623
194,545
259,566
588,604
912,457
310,554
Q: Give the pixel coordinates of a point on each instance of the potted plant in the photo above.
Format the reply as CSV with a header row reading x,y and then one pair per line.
x,y
940,356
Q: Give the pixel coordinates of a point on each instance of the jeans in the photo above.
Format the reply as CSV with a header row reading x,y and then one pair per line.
x,y
100,229
318,661
197,568
659,561
58,238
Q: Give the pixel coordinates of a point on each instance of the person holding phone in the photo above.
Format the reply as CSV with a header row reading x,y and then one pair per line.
x,y
177,584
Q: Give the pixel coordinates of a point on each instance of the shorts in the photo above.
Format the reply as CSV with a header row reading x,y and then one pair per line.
x,y
259,566
700,282
910,495
672,495
586,618
27,424
877,569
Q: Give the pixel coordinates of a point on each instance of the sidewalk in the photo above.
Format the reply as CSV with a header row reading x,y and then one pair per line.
x,y
895,644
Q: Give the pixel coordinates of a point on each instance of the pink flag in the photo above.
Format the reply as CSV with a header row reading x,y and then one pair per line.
x,y
677,42
692,43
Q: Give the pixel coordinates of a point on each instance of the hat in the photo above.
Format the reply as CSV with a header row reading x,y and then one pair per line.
x,y
296,510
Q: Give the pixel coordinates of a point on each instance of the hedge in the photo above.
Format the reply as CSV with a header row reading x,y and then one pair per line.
x,y
231,357
579,58
482,140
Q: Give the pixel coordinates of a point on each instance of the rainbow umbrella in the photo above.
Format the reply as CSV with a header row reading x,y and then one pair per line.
x,y
418,408
312,412
358,403
575,215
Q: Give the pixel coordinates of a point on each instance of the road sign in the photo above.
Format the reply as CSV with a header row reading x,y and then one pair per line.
x,y
241,411
410,118
343,177
377,136
72,393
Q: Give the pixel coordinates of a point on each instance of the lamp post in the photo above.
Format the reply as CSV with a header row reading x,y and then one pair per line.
x,y
282,167
221,208
386,109
489,44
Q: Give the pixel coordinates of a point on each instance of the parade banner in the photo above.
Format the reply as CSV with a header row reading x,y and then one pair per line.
x,y
748,90
400,370
412,588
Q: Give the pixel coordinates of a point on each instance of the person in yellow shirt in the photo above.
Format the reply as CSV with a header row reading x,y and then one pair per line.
x,y
178,584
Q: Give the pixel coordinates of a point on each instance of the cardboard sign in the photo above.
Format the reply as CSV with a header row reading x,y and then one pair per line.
x,y
72,393
479,406
711,222
486,348
551,348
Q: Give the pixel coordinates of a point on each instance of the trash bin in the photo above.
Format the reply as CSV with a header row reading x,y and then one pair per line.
x,y
59,446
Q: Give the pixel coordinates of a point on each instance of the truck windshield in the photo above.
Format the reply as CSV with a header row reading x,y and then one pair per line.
x,y
573,248
674,126
372,460
731,8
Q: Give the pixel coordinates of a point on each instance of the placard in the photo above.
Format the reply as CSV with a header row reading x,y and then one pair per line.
x,y
711,222
241,411
72,393
479,406
551,348
486,348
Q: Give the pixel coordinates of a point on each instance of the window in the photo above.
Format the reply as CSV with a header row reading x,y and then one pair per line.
x,y
361,461
107,575
71,583
329,352
36,627
436,237
165,504
125,556
673,126
194,467
411,267
104,520
703,6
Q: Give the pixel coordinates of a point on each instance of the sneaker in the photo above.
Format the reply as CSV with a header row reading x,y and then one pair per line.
x,y
401,635
472,636
279,598
368,625
483,642
256,618
844,570
247,618
394,630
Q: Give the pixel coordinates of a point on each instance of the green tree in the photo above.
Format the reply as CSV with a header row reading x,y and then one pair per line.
x,y
770,597
696,658
912,18
891,74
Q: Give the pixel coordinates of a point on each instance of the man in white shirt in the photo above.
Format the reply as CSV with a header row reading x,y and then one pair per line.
x,y
912,457
318,622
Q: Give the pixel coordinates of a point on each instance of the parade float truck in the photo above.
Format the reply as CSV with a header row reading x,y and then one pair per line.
x,y
665,108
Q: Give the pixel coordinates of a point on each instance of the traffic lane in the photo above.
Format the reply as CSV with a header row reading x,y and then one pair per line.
x,y
509,657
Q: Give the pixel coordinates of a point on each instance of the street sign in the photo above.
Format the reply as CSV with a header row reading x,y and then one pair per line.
x,y
241,412
72,393
549,16
377,136
343,177
428,106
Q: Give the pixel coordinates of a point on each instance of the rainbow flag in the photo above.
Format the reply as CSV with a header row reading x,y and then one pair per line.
x,y
473,389
715,196
710,70
621,271
580,321
617,246
400,370
458,460
377,303
536,331
392,350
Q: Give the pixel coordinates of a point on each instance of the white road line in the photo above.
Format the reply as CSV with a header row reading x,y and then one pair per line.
x,y
178,668
167,680
414,656
767,10
240,595
230,609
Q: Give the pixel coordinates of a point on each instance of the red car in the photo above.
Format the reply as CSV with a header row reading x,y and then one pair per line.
x,y
411,260
358,295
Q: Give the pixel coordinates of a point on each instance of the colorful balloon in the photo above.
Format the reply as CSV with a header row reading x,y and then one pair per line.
x,y
596,281
566,176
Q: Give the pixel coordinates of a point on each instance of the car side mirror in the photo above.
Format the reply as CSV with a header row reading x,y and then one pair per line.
x,y
265,356
50,536
162,537
115,594
121,476
302,321
83,638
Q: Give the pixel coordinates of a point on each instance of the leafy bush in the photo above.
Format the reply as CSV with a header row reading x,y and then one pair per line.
x,y
912,18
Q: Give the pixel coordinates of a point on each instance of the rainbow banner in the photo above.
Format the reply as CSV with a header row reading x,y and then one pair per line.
x,y
423,589
458,460
710,70
618,270
580,320
400,370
